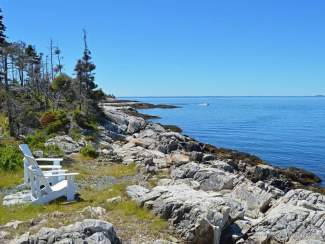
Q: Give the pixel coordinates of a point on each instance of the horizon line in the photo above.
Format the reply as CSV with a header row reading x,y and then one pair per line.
x,y
164,96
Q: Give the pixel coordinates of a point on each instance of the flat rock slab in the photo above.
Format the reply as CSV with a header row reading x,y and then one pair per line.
x,y
198,216
298,216
87,231
17,198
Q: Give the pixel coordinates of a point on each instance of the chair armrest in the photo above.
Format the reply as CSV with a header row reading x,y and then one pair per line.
x,y
50,166
65,174
49,159
55,171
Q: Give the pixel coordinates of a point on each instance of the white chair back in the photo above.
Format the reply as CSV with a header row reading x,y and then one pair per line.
x,y
24,148
37,178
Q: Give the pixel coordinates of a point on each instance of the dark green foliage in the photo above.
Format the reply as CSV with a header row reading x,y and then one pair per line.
x,y
36,142
2,29
30,87
63,90
89,151
11,158
54,122
84,121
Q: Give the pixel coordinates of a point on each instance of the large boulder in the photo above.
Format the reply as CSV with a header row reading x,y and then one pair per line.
x,y
87,231
254,199
198,216
65,143
123,122
210,179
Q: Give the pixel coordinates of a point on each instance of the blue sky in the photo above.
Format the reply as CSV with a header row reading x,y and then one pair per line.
x,y
184,47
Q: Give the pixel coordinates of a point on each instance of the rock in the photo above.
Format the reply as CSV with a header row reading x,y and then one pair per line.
x,y
65,143
307,242
222,166
106,152
179,158
17,198
196,156
3,235
254,199
94,211
114,200
297,216
23,239
210,179
198,216
136,192
87,231
135,124
208,157
122,122
236,231
14,224
38,154
163,242
259,238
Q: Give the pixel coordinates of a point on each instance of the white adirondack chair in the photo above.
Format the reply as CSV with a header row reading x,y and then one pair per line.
x,y
52,169
42,191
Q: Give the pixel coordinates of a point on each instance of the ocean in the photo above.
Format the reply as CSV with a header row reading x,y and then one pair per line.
x,y
284,131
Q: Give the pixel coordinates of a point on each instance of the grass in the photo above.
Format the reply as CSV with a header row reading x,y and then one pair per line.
x,y
10,179
131,221
86,168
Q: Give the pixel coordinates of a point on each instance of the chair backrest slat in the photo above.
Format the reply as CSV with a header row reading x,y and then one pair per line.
x,y
25,150
38,171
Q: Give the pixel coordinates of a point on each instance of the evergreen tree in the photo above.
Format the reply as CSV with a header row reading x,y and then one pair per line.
x,y
2,30
85,73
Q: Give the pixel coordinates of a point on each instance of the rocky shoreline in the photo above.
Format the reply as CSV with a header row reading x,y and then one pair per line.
x,y
207,194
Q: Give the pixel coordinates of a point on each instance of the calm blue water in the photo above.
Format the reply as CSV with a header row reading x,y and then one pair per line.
x,y
285,131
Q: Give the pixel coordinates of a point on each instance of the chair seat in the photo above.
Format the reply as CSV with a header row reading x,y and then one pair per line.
x,y
60,186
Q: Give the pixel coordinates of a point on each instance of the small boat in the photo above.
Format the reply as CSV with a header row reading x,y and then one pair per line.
x,y
203,104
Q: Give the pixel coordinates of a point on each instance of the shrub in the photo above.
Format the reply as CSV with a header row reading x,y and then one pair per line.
x,y
11,158
54,122
36,141
84,121
75,134
53,151
47,118
4,125
89,151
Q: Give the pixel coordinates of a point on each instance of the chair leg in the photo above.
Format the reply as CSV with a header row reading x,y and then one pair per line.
x,y
70,189
26,173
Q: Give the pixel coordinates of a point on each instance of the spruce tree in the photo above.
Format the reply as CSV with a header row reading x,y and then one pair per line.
x,y
2,30
85,73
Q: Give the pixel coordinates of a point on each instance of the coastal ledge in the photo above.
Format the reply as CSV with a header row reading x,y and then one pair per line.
x,y
206,194
217,195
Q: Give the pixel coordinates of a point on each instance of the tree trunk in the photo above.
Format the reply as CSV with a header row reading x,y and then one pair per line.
x,y
8,97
